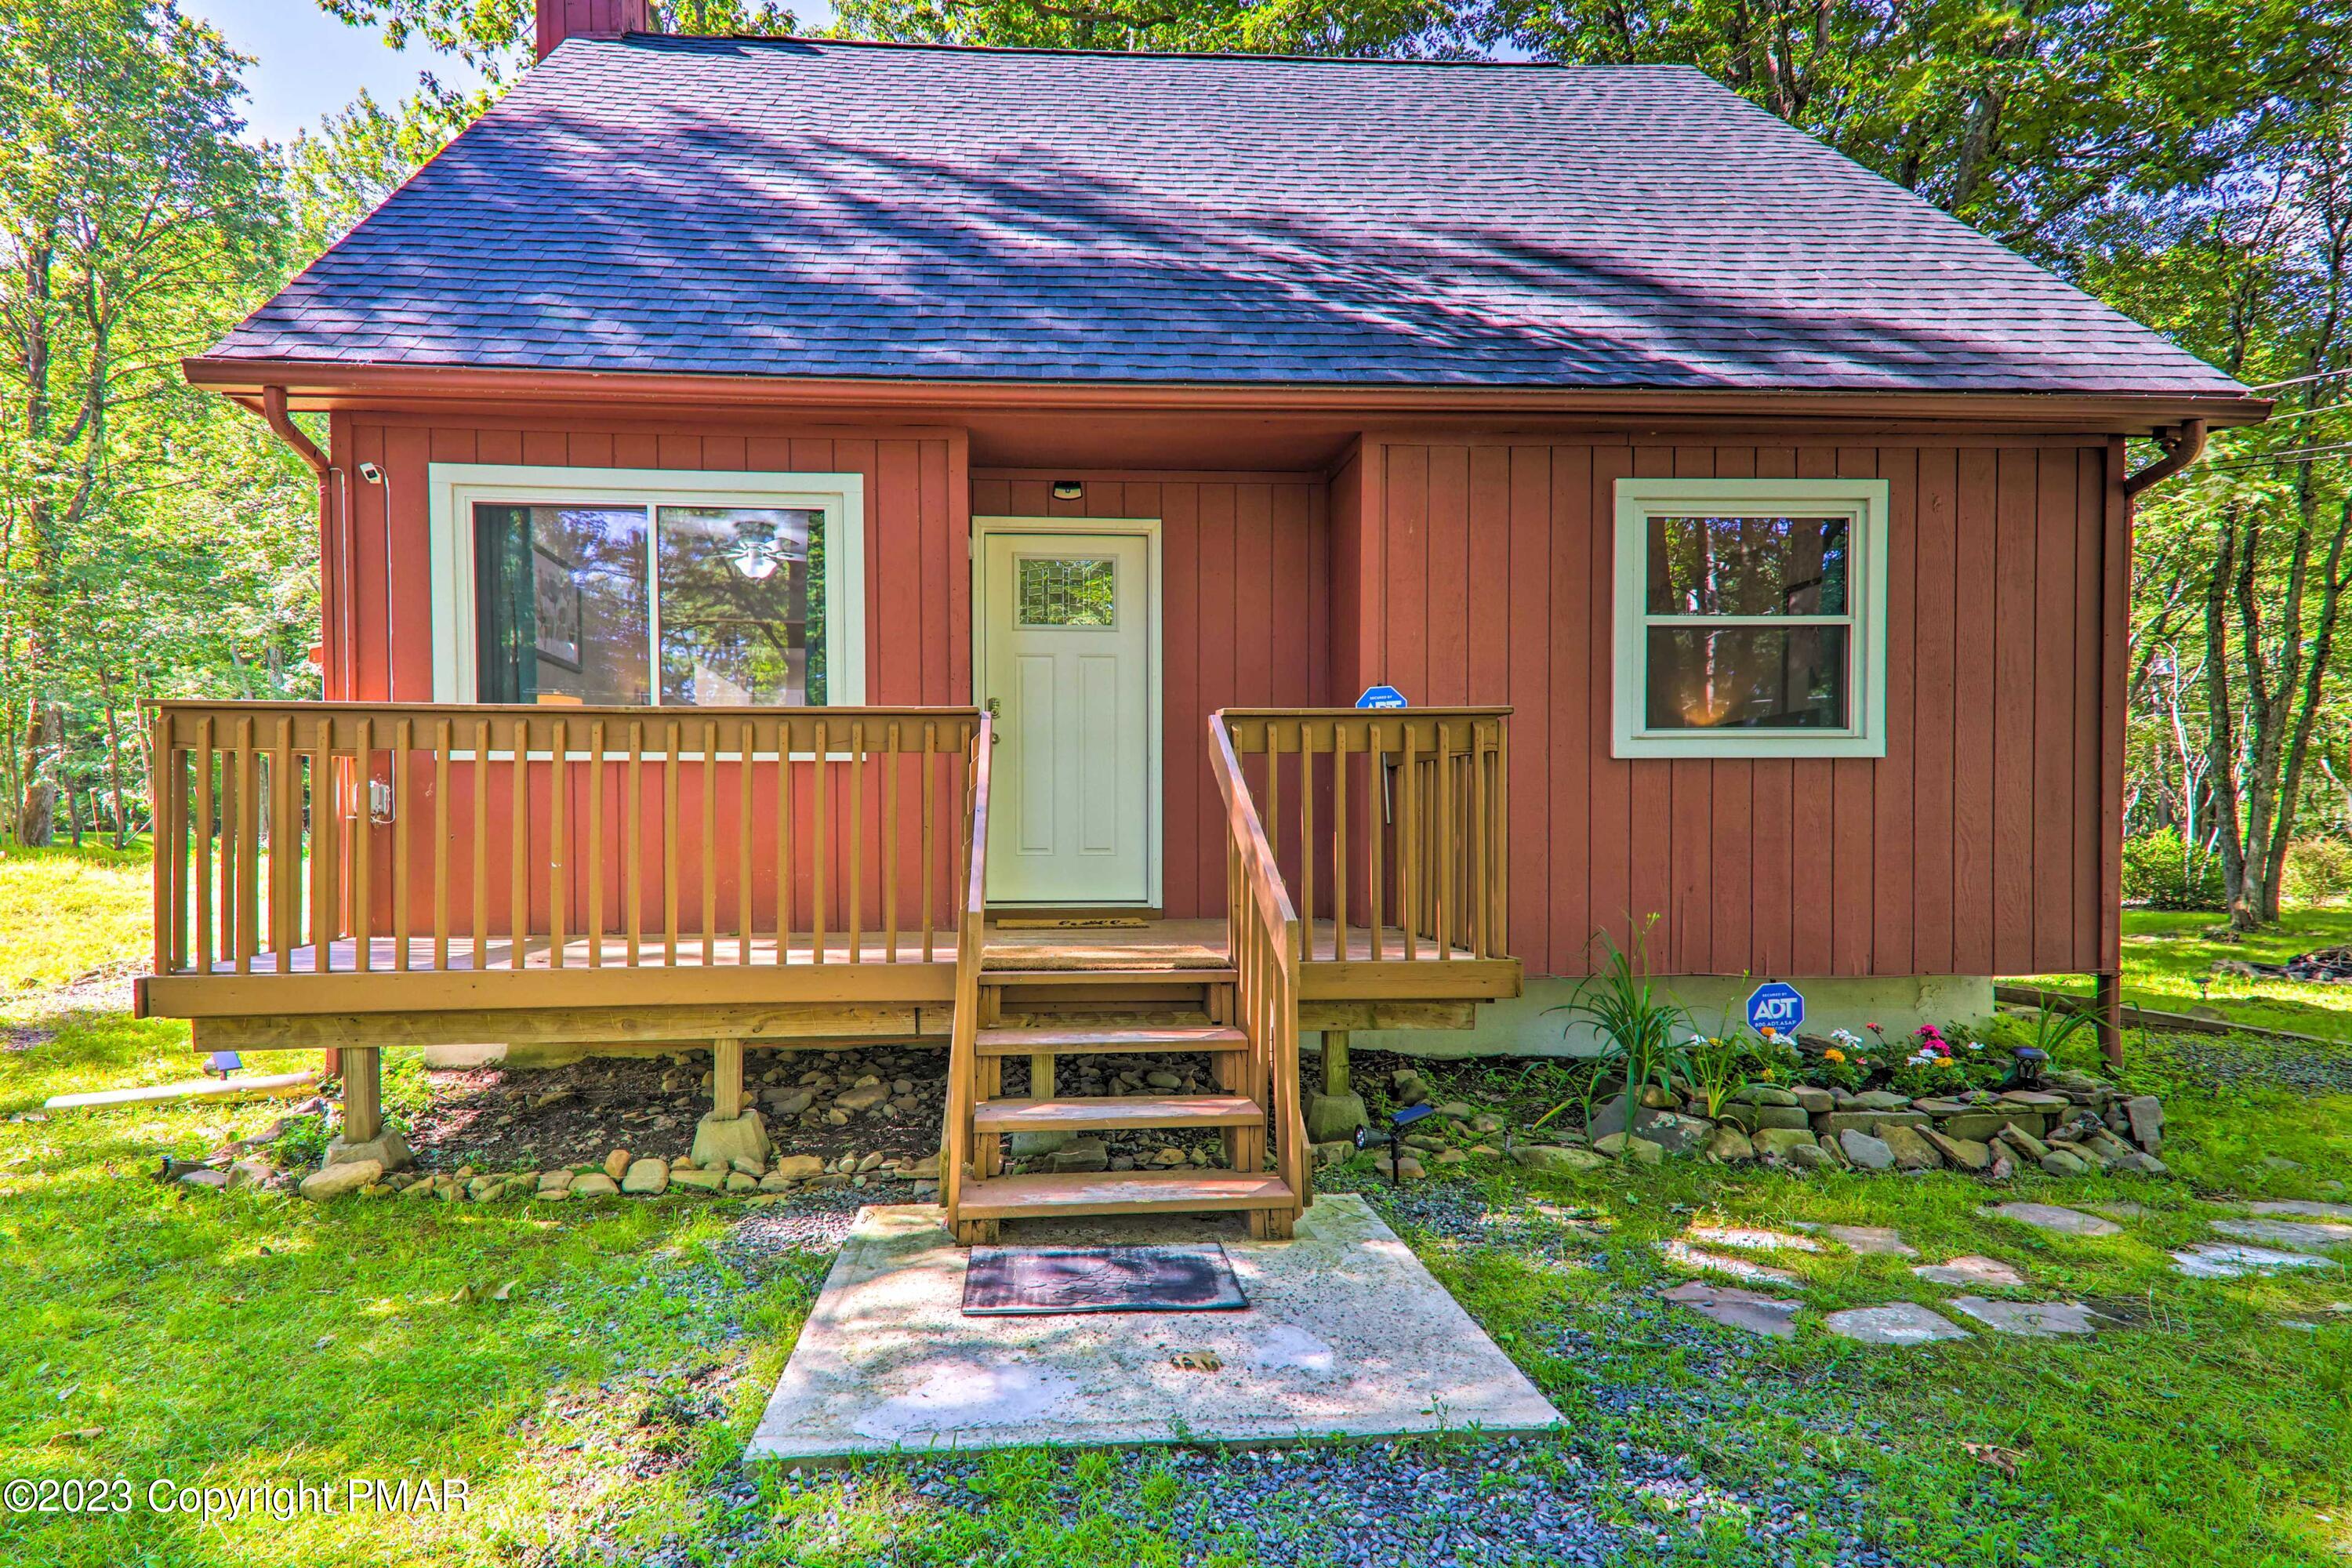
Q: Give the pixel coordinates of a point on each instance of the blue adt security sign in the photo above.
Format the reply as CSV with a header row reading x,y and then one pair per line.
x,y
1774,1006
1381,696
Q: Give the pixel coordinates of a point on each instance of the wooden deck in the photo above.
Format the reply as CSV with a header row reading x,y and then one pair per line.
x,y
485,985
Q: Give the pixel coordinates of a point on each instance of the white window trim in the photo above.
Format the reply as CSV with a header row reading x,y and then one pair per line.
x,y
454,488
1865,501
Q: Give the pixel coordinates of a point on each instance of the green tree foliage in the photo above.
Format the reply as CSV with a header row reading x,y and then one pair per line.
x,y
1357,28
133,220
495,36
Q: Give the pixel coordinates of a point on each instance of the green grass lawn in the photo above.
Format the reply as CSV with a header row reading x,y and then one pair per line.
x,y
2168,964
598,1410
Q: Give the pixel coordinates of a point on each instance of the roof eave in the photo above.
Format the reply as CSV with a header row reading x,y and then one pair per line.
x,y
314,386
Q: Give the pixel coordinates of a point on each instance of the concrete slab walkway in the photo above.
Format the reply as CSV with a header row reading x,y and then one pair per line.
x,y
1345,1334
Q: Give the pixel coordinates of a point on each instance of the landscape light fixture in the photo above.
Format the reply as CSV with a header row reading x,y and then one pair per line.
x,y
1366,1137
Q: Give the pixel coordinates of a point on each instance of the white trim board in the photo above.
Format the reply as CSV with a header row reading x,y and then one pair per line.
x,y
1865,501
452,488
1155,720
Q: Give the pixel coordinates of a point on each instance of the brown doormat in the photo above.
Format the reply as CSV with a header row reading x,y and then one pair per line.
x,y
1030,1282
1071,922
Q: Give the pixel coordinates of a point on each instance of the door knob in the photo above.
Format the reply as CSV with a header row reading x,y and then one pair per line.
x,y
995,736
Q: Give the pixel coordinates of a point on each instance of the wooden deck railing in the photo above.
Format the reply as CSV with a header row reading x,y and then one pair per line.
x,y
1263,938
972,933
1397,825
305,838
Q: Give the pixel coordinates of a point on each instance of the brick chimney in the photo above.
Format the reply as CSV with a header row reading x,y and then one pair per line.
x,y
562,19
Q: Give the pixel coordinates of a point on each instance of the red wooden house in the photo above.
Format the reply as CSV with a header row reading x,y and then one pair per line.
x,y
800,517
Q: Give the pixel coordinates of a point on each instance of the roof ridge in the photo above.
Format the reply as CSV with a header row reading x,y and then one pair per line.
x,y
1250,57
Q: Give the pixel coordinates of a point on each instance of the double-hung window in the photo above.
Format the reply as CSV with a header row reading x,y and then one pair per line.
x,y
568,586
1750,618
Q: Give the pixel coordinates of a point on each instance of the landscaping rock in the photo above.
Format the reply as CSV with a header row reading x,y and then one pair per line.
x,y
2146,1113
2065,1162
2036,1320
1730,1146
1608,1117
205,1176
799,1167
1808,1157
719,1140
1334,1117
2052,1217
864,1097
1836,1122
1902,1323
1866,1153
1082,1155
783,1105
2304,1236
1782,1143
1653,1097
386,1149
2229,1260
1910,1147
1552,1157
1879,1099
1965,1153
1734,1308
2028,1146
555,1181
1983,1124
1970,1269
648,1178
1810,1099
595,1185
1764,1094
1675,1133
618,1164
1754,1117
1629,1147
698,1178
1751,1238
1683,1255
1871,1240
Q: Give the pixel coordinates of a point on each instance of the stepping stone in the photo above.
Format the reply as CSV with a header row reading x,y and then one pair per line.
x,y
1903,1324
2065,1221
2125,1210
1872,1240
1683,1255
2230,1260
1736,1309
1984,1273
2303,1207
2039,1320
1750,1240
2307,1236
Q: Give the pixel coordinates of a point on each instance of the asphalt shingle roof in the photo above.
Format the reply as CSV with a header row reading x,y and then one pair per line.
x,y
797,208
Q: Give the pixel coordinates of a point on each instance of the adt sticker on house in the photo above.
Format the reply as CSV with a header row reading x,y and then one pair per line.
x,y
1774,1006
1381,696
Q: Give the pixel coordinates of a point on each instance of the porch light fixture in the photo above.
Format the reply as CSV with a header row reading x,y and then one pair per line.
x,y
1069,489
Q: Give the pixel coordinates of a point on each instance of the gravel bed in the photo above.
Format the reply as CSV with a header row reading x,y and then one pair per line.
x,y
2220,1060
1505,1502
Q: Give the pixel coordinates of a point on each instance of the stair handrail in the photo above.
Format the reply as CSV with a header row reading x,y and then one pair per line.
x,y
963,1061
1264,937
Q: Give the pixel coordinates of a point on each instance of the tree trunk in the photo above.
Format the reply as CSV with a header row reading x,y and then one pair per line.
x,y
114,763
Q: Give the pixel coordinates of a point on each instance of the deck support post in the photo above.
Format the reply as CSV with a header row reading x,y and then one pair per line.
x,y
1041,1075
727,1078
1335,1062
363,1093
2107,1008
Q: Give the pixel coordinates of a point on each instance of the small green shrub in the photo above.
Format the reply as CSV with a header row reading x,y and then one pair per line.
x,y
2318,870
2164,874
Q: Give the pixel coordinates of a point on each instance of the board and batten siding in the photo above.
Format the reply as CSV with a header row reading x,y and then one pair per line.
x,y
1986,842
1245,611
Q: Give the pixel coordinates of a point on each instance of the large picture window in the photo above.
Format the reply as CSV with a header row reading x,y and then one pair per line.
x,y
1748,617
589,586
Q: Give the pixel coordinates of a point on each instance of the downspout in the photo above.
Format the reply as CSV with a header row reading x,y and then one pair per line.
x,y
2183,447
333,517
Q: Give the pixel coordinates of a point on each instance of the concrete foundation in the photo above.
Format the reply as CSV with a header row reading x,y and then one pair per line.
x,y
1525,1026
1345,1334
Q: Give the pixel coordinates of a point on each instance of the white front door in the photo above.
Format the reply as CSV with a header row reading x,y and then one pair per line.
x,y
1067,663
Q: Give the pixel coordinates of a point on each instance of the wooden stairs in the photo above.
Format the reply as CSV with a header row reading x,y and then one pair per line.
x,y
1109,1013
